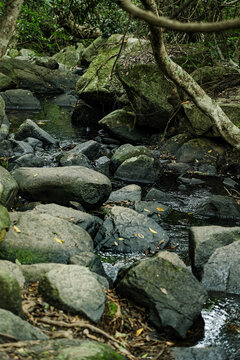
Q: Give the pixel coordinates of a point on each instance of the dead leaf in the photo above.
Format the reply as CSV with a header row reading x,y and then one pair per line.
x,y
147,210
160,209
209,151
161,242
120,239
59,240
152,231
115,243
15,228
35,175
170,343
164,291
139,331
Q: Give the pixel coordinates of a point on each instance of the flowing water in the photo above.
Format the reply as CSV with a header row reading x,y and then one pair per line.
x,y
221,313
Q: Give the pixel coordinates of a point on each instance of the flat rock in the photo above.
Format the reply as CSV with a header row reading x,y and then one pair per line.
x,y
76,289
60,185
19,329
34,237
127,193
166,287
126,231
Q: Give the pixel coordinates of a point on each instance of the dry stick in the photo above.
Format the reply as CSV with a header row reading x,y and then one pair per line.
x,y
8,337
20,344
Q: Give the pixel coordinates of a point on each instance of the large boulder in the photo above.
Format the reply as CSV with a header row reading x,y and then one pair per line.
x,y
36,237
166,287
122,124
20,99
38,79
126,231
12,326
74,288
63,184
204,240
10,293
70,56
8,188
100,82
150,94
222,271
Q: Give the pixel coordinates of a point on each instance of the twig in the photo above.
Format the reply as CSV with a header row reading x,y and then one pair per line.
x,y
19,344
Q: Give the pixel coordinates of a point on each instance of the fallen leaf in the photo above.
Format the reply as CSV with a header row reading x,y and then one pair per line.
x,y
147,210
164,291
59,240
152,231
121,239
41,123
170,343
209,151
115,243
139,331
141,236
161,242
160,209
35,175
189,213
15,228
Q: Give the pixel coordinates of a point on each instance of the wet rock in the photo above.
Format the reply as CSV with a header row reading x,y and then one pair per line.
x,y
121,123
76,289
158,195
199,150
30,129
219,206
165,286
14,269
141,169
178,168
190,181
86,221
72,158
128,151
10,293
35,143
204,240
102,165
59,185
21,148
30,160
20,99
19,329
8,188
89,260
89,148
125,231
150,94
127,193
173,144
54,241
6,150
222,271
200,353
65,100
153,209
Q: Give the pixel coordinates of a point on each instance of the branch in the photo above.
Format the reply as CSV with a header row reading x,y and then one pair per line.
x,y
164,22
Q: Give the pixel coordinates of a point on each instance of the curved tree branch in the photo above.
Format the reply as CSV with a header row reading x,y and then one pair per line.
x,y
164,22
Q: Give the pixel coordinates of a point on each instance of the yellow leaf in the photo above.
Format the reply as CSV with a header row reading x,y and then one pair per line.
x,y
209,151
152,231
141,236
41,123
147,210
189,213
35,175
115,243
59,240
139,331
120,238
16,229
170,343
160,209
2,234
161,242
164,291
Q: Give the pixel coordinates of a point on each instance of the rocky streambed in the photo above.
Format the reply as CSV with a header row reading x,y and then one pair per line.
x,y
110,206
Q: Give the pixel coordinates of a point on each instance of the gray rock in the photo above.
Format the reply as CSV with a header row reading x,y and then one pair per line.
x,y
127,193
153,209
102,165
20,99
167,288
86,221
4,128
219,206
173,144
204,240
21,147
142,169
178,168
126,231
65,100
190,181
71,158
158,195
63,184
70,56
19,329
222,271
200,353
35,143
30,129
35,237
74,288
89,148
14,269
128,151
6,149
10,292
122,124
89,260
30,160
8,188
33,273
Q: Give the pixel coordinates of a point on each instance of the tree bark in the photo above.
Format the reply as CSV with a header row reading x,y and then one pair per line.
x,y
179,76
8,23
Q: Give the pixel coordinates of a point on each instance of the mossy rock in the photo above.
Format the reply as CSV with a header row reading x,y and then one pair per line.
x,y
70,56
208,74
4,222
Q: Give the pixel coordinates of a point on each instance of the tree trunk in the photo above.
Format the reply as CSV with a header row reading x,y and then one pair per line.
x,y
209,107
8,23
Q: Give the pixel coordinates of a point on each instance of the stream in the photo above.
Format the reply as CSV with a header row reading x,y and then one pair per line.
x,y
221,313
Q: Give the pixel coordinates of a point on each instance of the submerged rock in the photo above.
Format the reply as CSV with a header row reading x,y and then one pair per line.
x,y
166,287
63,184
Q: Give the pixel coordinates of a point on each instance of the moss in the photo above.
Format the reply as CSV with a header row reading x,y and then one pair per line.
x,y
25,256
